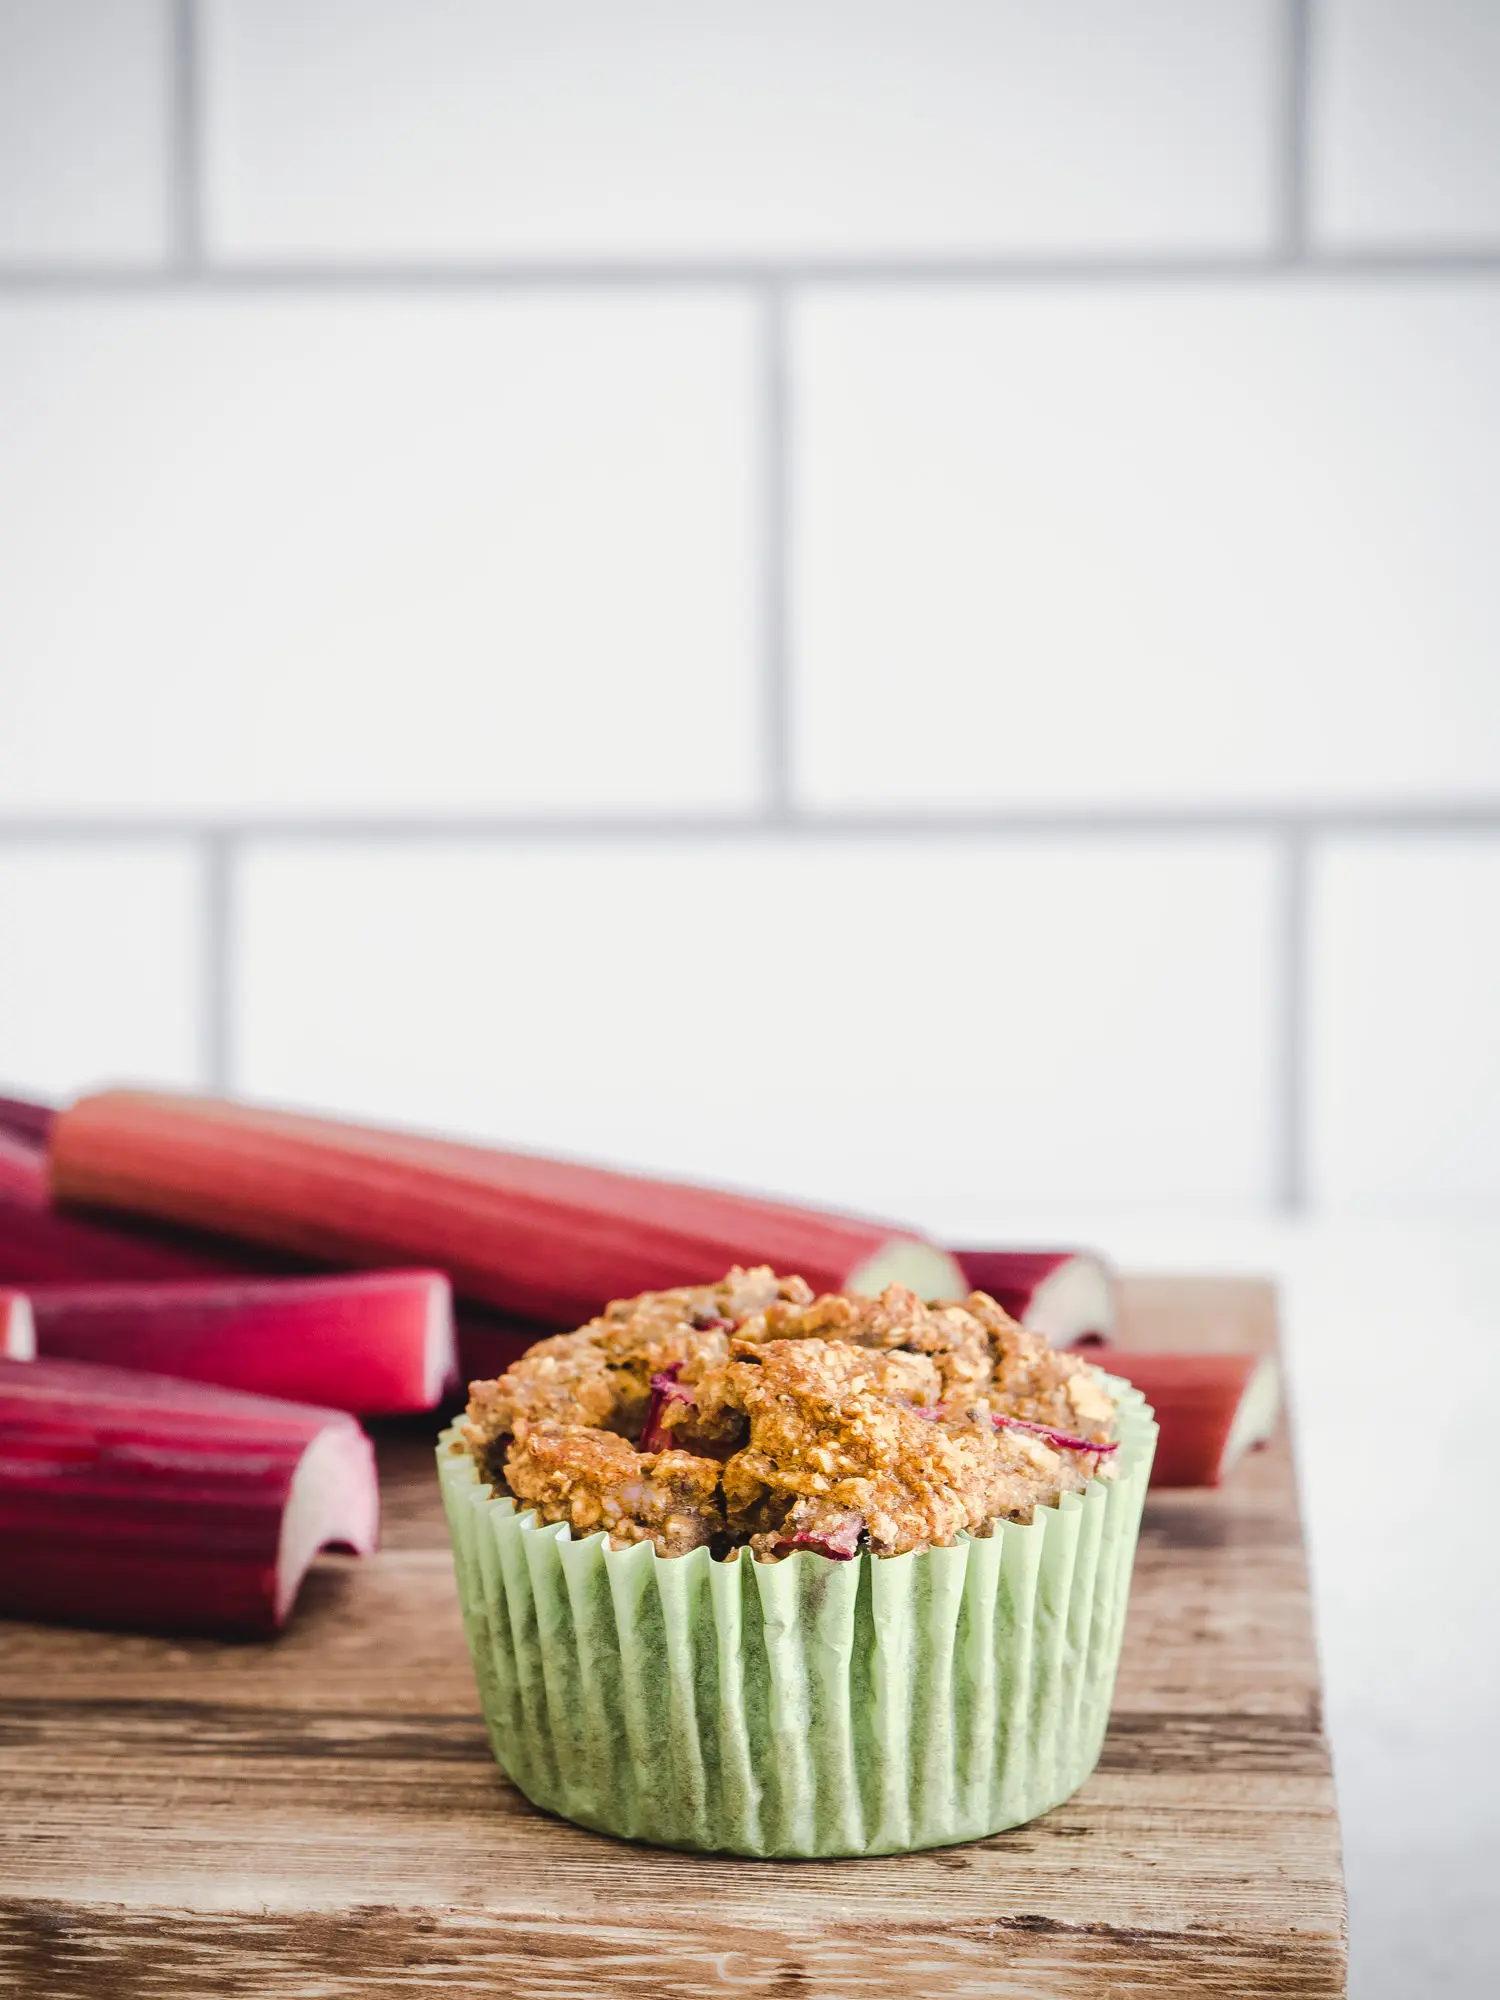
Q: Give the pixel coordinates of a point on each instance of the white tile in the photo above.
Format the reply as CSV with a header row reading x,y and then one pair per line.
x,y
368,555
84,113
907,1028
99,965
1405,1058
1405,146
556,128
1187,544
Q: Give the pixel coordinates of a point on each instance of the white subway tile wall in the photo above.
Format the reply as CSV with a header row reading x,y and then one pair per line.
x,y
1021,474
439,555
1162,545
85,96
891,599
550,129
1405,1041
986,1022
1405,150
99,963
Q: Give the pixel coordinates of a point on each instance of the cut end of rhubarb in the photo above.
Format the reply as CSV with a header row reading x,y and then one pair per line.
x,y
440,1348
1066,1295
922,1267
1255,1419
1076,1301
17,1327
333,1503
1210,1409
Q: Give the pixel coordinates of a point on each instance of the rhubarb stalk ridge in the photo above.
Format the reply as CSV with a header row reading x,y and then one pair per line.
x,y
143,1503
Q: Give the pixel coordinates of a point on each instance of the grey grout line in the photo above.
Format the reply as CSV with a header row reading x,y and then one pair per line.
x,y
216,981
777,418
1418,821
1296,112
186,148
1253,267
1290,1000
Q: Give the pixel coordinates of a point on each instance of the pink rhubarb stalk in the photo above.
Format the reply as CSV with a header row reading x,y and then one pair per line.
x,y
24,1118
40,1246
545,1239
23,1171
377,1344
139,1502
1210,1409
1067,1295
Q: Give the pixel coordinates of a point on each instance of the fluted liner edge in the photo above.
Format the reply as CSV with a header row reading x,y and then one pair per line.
x,y
804,1708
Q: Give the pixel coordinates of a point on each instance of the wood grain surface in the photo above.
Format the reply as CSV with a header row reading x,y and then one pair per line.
x,y
320,1817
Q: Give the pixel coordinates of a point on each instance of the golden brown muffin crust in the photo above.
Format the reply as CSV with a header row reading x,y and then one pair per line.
x,y
751,1413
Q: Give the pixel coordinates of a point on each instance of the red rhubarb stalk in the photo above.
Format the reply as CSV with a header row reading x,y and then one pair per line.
x,y
139,1502
1067,1295
489,1341
24,1118
17,1327
378,1344
1210,1409
23,1171
547,1239
40,1246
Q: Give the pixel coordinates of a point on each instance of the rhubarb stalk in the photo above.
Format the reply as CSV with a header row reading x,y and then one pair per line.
x,y
23,1171
26,1119
40,1246
377,1344
139,1502
549,1240
1210,1408
1066,1295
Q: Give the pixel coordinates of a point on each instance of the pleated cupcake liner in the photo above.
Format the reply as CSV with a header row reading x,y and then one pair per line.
x,y
804,1708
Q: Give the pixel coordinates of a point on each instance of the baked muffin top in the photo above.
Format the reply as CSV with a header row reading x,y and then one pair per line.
x,y
749,1413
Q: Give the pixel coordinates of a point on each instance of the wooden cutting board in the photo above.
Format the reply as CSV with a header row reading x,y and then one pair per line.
x,y
320,1817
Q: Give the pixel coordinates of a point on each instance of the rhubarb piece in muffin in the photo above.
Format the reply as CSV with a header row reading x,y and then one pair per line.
x,y
749,1414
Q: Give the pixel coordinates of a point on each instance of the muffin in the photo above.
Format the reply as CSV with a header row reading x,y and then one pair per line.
x,y
750,1571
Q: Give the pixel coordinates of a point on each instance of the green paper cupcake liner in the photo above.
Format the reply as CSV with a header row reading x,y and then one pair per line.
x,y
805,1708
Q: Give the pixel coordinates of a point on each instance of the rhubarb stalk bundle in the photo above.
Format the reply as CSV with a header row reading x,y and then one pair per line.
x,y
136,1501
549,1240
378,1344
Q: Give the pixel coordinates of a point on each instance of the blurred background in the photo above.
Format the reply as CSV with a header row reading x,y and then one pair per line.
x,y
895,600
